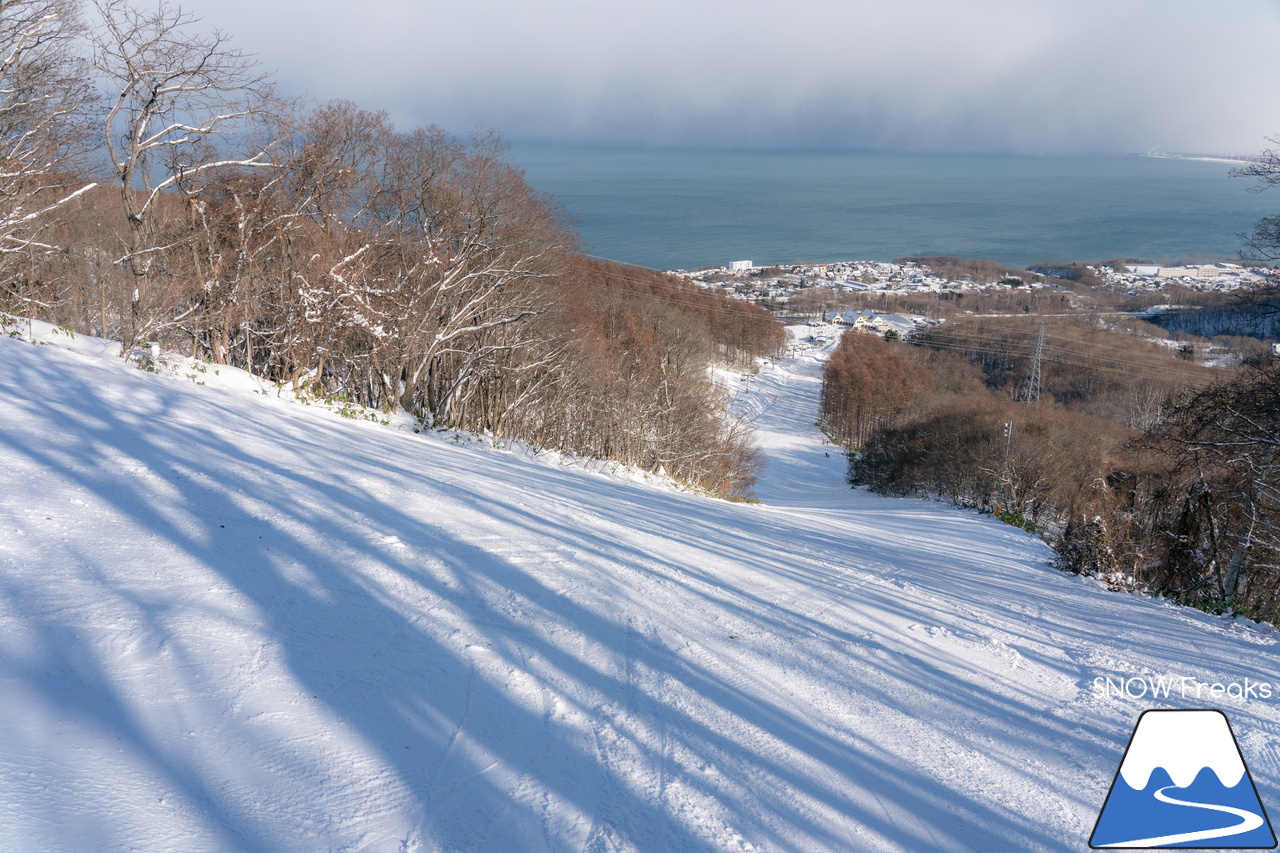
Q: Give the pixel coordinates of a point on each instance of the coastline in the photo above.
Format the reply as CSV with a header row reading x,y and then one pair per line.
x,y
1203,158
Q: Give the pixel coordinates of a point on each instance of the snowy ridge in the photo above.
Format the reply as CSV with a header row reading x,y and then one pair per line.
x,y
229,622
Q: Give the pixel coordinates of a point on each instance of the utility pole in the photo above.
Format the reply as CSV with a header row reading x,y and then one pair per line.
x,y
1031,390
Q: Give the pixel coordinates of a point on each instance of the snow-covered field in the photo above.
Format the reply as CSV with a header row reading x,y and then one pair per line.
x,y
231,622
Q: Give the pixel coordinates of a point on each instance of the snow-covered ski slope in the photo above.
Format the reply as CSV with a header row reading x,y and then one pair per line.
x,y
232,623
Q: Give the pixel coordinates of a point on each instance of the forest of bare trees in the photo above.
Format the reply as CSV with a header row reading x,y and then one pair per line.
x,y
1139,468
923,421
317,245
1086,368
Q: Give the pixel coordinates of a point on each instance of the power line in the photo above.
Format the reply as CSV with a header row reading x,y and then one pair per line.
x,y
1096,363
1031,393
1099,351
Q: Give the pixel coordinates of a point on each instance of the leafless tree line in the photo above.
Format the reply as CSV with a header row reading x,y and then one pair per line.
x,y
1104,372
1196,514
45,94
923,421
1186,504
321,247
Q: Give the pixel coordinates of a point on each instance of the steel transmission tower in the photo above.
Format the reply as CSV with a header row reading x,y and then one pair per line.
x,y
1031,390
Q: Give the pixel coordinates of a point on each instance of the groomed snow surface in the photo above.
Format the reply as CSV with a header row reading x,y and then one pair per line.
x,y
229,622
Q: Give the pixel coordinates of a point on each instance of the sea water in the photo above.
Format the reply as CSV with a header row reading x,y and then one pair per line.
x,y
682,209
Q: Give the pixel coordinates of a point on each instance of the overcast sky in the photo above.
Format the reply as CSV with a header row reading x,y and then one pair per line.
x,y
1032,76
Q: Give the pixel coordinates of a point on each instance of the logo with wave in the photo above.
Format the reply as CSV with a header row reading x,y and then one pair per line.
x,y
1183,783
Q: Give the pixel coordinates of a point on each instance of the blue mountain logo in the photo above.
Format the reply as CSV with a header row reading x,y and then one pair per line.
x,y
1183,783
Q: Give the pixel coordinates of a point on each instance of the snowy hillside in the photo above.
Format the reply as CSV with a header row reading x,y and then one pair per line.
x,y
230,622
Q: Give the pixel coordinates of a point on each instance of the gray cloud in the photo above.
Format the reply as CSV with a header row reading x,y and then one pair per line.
x,y
984,75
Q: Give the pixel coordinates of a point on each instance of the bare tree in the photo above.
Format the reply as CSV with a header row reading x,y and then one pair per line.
x,y
1263,243
424,247
1224,440
180,99
44,98
482,240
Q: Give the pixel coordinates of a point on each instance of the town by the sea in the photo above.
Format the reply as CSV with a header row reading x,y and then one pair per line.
x,y
684,209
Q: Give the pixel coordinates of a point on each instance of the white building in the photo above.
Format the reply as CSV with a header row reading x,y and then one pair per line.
x,y
740,266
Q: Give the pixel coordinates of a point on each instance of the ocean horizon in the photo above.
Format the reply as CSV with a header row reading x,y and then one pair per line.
x,y
690,208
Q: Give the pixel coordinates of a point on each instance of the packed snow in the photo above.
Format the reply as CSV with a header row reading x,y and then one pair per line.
x,y
232,622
